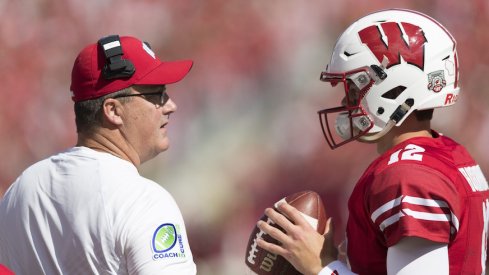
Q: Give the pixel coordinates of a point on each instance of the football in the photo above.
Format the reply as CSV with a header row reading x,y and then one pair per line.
x,y
262,262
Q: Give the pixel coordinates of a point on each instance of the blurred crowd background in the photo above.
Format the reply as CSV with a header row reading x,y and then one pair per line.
x,y
246,132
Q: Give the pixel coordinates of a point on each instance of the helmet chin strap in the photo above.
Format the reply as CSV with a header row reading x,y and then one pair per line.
x,y
376,136
398,114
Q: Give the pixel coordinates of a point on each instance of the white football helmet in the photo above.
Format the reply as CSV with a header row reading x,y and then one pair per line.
x,y
389,63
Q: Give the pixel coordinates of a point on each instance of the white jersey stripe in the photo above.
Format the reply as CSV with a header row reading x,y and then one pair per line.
x,y
386,207
407,199
392,219
424,202
426,216
454,220
415,214
421,216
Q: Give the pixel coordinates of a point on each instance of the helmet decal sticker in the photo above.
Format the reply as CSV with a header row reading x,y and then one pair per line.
x,y
436,81
395,40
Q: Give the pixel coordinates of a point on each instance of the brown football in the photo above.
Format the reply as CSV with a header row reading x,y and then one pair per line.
x,y
262,262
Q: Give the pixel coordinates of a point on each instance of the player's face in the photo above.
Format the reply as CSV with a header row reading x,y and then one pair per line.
x,y
352,97
147,117
348,121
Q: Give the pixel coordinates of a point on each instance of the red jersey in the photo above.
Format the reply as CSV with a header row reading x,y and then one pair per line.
x,y
424,187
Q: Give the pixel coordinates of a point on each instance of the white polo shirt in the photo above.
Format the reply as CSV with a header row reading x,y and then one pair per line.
x,y
88,212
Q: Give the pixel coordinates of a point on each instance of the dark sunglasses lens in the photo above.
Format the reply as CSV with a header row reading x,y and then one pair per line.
x,y
164,98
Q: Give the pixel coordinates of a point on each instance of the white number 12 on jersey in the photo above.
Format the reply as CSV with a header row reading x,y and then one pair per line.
x,y
410,152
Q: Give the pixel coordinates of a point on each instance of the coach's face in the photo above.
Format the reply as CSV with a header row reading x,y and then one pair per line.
x,y
145,121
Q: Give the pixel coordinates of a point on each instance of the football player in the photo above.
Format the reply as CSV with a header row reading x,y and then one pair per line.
x,y
422,206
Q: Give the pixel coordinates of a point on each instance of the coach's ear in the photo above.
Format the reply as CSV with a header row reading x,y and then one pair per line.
x,y
112,111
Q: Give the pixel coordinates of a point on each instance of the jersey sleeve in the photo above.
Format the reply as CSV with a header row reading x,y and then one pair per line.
x,y
154,239
413,200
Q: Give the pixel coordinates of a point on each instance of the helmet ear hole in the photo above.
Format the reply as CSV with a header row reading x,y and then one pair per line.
x,y
394,92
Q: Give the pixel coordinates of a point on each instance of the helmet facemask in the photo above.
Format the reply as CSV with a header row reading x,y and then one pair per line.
x,y
352,120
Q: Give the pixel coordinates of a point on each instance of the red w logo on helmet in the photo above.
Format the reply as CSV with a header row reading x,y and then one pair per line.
x,y
409,45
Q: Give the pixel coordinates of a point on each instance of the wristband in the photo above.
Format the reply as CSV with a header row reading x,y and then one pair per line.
x,y
335,268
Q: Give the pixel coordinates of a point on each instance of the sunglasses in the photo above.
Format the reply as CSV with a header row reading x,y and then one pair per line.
x,y
157,98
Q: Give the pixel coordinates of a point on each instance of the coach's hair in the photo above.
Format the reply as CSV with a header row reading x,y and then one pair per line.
x,y
88,113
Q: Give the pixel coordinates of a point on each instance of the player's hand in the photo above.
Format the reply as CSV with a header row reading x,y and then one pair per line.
x,y
307,250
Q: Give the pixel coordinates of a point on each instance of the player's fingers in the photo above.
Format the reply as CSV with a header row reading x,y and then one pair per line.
x,y
342,254
329,229
270,247
329,251
274,232
279,219
293,214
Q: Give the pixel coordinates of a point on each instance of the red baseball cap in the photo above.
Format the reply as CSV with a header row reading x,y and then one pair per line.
x,y
89,82
5,271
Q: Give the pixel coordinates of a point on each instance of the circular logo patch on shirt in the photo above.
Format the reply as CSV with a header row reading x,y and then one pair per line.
x,y
164,238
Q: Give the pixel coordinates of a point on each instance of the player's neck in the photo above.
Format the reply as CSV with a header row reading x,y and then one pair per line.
x,y
410,128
